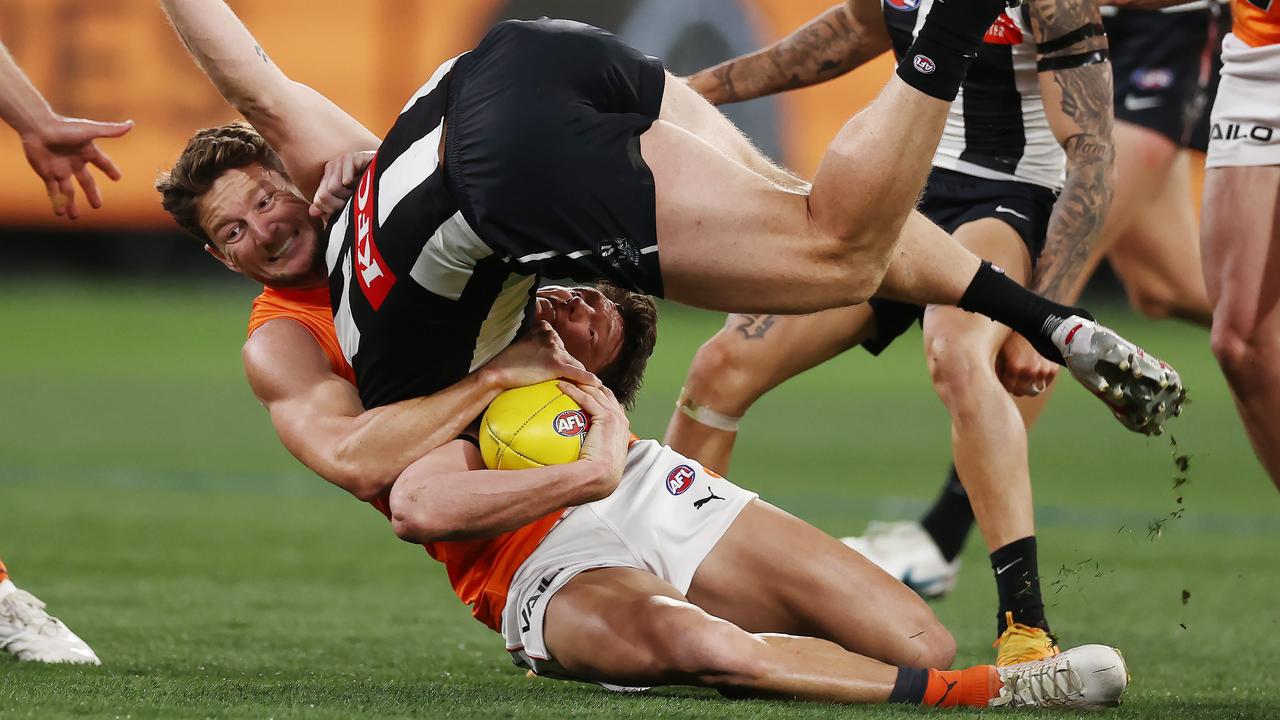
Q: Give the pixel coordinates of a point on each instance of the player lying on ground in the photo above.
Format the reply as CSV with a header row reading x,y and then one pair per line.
x,y
995,184
520,558
660,572
60,150
553,148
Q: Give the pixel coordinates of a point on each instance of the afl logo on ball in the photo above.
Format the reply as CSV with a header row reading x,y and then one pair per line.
x,y
923,64
570,423
680,479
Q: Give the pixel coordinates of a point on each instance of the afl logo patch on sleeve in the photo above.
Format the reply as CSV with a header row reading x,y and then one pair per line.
x,y
680,479
571,423
923,64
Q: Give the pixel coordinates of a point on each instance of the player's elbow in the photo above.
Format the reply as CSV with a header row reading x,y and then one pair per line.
x,y
413,520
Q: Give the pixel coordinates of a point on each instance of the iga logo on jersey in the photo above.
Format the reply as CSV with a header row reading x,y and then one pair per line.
x,y
570,423
680,479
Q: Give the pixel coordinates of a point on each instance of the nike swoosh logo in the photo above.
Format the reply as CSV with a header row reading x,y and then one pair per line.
x,y
1011,211
1000,571
1133,104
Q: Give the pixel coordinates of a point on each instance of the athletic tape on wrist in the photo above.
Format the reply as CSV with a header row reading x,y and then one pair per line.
x,y
706,416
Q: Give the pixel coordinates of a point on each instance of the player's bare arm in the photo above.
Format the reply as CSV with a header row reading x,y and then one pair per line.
x,y
303,126
449,495
58,148
319,417
1075,81
834,43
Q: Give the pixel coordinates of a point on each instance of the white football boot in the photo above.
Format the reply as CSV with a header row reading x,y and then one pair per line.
x,y
1142,391
1089,677
904,550
30,633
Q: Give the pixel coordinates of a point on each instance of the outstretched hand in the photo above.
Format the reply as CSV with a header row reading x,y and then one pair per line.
x,y
64,149
339,182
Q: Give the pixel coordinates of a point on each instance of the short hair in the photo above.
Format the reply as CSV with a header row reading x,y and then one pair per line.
x,y
639,335
210,153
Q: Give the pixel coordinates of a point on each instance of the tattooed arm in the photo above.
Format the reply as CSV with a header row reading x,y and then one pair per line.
x,y
1075,81
300,124
831,45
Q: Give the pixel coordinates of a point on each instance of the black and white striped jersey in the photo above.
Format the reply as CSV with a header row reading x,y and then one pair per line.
x,y
418,299
997,127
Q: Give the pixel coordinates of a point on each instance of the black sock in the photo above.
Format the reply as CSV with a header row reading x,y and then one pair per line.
x,y
950,518
946,45
910,686
993,294
1018,584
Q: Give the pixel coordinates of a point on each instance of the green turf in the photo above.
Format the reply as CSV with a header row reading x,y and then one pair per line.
x,y
143,495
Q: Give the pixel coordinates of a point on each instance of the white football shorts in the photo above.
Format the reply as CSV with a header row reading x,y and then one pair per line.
x,y
666,515
1244,126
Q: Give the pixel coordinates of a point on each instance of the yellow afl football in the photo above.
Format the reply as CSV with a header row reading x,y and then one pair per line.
x,y
532,426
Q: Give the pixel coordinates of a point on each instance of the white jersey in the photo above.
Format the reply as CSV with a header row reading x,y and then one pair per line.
x,y
997,127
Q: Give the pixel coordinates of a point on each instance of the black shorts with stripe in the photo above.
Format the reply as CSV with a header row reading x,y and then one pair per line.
x,y
952,199
542,151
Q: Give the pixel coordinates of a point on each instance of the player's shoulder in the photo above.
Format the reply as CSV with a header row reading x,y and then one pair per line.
x,y
282,351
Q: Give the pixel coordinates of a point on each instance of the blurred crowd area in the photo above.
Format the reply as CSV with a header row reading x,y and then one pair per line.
x,y
117,59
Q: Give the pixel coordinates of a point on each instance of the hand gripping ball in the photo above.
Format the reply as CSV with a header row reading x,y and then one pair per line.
x,y
532,426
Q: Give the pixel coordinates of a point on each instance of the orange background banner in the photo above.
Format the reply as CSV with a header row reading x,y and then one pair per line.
x,y
117,59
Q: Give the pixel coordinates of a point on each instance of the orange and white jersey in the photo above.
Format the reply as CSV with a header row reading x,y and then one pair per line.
x,y
480,571
1256,22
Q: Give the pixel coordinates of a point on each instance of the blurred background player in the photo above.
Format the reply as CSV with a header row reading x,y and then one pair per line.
x,y
60,150
1164,66
1041,85
1241,222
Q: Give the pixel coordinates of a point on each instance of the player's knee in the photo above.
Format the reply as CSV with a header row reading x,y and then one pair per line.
x,y
937,647
955,369
1235,347
723,376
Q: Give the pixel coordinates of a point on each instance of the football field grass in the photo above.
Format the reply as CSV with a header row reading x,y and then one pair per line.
x,y
144,496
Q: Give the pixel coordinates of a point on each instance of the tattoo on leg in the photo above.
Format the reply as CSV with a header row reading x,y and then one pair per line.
x,y
262,54
754,327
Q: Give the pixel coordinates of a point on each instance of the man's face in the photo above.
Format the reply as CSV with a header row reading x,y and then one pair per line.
x,y
588,323
260,227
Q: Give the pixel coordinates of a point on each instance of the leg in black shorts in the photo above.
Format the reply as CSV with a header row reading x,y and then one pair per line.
x,y
952,199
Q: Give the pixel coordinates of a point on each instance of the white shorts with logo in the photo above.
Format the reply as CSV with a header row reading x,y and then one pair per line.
x,y
666,515
1244,126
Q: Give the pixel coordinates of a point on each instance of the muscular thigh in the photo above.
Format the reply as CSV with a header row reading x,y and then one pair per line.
x,y
1240,237
731,240
772,572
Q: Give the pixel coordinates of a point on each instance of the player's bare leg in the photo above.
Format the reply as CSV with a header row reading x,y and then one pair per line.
x,y
807,583
988,437
1158,255
750,356
1240,237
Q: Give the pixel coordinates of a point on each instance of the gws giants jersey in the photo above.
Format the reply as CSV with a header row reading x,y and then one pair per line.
x,y
997,127
418,299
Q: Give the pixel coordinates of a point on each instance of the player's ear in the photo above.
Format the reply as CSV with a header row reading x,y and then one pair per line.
x,y
217,255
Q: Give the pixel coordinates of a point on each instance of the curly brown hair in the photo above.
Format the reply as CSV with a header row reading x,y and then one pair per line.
x,y
210,153
639,336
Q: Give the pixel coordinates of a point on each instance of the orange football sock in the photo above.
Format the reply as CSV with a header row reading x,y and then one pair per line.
x,y
972,687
